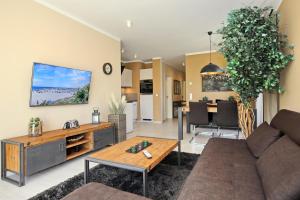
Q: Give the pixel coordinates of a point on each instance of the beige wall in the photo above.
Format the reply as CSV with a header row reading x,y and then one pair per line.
x,y
289,24
135,89
157,90
33,33
175,75
194,64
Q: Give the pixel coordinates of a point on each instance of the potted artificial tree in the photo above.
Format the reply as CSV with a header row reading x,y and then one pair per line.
x,y
118,117
256,54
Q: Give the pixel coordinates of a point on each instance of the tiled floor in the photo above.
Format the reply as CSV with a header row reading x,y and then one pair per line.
x,y
50,177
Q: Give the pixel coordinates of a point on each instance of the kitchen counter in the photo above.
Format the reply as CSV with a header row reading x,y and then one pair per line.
x,y
131,101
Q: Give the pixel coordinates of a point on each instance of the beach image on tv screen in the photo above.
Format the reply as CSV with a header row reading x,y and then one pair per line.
x,y
52,85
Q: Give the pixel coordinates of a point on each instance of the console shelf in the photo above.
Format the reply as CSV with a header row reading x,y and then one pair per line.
x,y
79,153
78,143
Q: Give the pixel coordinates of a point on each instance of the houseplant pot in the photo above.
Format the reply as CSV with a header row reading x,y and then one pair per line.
x,y
117,117
119,121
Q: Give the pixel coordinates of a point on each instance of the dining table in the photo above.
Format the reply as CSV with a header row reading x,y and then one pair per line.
x,y
211,108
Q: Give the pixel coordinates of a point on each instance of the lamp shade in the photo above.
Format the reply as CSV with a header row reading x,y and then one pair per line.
x,y
211,69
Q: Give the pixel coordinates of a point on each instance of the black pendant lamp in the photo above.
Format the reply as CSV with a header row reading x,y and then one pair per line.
x,y
211,68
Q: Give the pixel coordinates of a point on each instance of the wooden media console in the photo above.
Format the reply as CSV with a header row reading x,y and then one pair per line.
x,y
24,155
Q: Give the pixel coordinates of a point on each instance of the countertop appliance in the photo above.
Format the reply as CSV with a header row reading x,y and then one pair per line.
x,y
146,86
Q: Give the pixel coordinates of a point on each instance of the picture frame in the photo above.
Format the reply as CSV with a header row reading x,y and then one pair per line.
x,y
177,87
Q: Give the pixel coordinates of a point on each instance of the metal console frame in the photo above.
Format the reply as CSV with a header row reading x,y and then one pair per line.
x,y
122,166
4,171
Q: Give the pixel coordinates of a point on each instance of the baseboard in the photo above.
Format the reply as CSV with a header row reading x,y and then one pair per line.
x,y
146,121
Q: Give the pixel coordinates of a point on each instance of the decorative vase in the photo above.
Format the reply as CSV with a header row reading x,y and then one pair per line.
x,y
119,120
35,130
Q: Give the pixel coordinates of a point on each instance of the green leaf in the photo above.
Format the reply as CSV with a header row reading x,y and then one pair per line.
x,y
255,50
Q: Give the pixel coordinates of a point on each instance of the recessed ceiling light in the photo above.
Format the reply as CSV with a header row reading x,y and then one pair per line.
x,y
129,23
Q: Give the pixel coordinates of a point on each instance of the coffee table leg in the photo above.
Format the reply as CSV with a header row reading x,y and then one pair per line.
x,y
145,183
179,153
86,171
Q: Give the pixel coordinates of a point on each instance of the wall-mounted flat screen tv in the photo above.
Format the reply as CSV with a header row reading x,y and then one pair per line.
x,y
53,85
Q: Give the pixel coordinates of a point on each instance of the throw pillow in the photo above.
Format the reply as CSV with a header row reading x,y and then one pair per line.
x,y
279,170
262,137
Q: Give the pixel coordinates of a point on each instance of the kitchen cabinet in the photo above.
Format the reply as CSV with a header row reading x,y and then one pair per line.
x,y
126,78
146,74
134,104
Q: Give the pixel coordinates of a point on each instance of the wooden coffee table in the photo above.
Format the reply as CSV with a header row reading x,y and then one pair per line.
x,y
117,156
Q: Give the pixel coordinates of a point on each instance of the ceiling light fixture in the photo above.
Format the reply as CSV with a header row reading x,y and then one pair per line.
x,y
135,56
129,23
211,68
122,51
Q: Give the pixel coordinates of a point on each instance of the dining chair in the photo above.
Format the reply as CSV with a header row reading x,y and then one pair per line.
x,y
210,115
199,118
227,117
207,101
218,100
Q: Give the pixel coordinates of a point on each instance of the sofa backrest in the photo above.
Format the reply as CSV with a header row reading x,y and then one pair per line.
x,y
288,122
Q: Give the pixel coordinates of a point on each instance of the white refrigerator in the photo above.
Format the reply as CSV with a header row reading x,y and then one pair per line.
x,y
146,104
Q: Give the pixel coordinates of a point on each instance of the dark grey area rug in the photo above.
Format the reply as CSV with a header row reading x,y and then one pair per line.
x,y
165,180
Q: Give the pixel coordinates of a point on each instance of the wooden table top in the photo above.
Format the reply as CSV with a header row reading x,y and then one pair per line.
x,y
212,108
159,149
58,134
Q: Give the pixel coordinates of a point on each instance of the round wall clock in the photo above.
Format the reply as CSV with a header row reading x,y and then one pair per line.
x,y
107,68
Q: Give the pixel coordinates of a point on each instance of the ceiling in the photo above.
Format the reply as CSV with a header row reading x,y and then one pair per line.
x,y
160,28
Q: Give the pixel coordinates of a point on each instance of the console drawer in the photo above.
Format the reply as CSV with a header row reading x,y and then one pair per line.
x,y
103,138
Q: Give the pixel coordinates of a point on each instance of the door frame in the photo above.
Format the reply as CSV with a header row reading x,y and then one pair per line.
x,y
169,98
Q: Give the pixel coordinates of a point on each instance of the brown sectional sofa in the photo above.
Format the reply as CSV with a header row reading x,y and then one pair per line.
x,y
97,191
227,170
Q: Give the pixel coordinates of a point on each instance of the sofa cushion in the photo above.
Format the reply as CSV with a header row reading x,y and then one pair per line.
x,y
279,169
225,171
98,191
288,122
262,137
